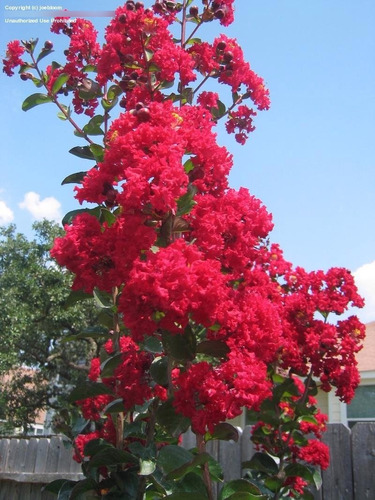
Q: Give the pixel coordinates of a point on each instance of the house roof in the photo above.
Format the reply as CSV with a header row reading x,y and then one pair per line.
x,y
366,357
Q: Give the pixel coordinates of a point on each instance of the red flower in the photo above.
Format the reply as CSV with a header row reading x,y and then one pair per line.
x,y
168,287
316,453
13,57
241,123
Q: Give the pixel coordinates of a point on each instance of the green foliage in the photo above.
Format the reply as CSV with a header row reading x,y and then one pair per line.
x,y
34,322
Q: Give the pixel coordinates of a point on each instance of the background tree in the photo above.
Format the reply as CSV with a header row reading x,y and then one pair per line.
x,y
36,365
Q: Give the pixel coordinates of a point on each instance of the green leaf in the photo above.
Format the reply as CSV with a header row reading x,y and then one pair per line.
x,y
152,344
317,478
171,457
215,348
174,423
93,126
224,432
88,390
186,202
110,365
307,495
147,467
181,347
154,68
141,451
43,54
64,116
34,100
307,418
107,216
116,406
159,370
244,490
261,462
60,81
83,486
215,469
113,91
97,151
299,470
108,105
187,95
76,296
286,389
128,483
192,41
89,333
111,456
84,152
220,111
166,85
76,178
68,218
103,299
55,486
105,318
273,484
89,68
95,445
79,426
30,44
149,54
65,490
184,469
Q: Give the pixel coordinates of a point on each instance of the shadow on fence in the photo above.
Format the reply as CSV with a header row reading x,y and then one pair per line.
x,y
28,463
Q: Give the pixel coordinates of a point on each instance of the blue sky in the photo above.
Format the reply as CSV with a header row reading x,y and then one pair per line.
x,y
311,159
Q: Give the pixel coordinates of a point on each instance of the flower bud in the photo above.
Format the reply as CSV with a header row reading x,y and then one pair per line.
x,y
221,46
228,56
143,115
219,14
194,11
130,5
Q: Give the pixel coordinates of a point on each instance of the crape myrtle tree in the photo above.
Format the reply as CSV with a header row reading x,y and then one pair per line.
x,y
37,366
207,317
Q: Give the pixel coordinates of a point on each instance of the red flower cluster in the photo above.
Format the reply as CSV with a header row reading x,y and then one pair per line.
x,y
13,57
241,123
169,287
288,434
209,395
139,43
329,349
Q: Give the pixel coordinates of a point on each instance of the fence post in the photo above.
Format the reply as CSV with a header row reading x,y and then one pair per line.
x,y
363,445
338,478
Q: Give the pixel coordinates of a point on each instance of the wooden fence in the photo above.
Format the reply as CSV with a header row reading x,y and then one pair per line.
x,y
28,463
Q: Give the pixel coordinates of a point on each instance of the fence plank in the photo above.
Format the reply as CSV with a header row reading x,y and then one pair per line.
x,y
4,451
247,446
338,478
230,459
41,455
31,455
363,445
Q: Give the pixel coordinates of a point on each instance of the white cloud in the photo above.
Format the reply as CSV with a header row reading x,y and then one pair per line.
x,y
6,214
48,208
365,281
